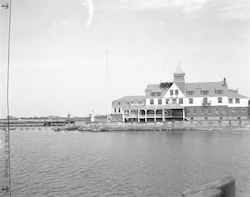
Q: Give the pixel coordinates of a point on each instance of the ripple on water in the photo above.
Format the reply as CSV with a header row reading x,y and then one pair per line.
x,y
47,163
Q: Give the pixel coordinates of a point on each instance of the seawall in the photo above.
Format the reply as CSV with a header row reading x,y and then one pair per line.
x,y
175,125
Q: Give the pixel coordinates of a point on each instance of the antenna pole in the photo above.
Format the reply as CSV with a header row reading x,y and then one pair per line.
x,y
107,84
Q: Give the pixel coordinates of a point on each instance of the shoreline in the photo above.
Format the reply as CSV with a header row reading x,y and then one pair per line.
x,y
168,126
137,126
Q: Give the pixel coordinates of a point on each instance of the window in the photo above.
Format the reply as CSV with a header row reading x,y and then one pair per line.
x,y
188,110
233,110
191,118
159,101
230,100
220,118
119,110
158,94
128,103
152,94
224,110
190,100
195,111
205,118
216,110
167,101
243,110
205,100
119,103
151,101
171,92
204,92
180,101
115,110
209,110
174,101
219,100
237,100
218,91
190,92
202,110
176,92
238,118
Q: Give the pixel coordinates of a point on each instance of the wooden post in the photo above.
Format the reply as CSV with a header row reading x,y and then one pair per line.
x,y
225,185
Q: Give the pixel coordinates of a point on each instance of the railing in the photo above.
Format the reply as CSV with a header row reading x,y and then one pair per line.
x,y
206,103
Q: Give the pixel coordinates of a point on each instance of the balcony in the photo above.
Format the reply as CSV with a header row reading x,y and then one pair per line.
x,y
206,103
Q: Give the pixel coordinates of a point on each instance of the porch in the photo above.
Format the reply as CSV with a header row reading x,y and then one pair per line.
x,y
154,113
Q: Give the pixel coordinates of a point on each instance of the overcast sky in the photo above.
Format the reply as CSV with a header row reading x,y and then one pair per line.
x,y
58,50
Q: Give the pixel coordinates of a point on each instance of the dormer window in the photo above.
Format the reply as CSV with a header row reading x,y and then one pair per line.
x,y
204,92
171,92
158,94
218,91
190,92
152,94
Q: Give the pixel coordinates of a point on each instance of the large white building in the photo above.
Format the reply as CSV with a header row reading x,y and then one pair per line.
x,y
178,100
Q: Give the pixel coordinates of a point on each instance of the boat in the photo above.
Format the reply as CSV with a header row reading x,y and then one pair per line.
x,y
71,128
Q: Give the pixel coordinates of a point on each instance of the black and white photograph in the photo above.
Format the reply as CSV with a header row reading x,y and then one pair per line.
x,y
124,98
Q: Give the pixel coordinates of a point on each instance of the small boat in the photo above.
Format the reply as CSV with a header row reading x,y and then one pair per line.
x,y
71,127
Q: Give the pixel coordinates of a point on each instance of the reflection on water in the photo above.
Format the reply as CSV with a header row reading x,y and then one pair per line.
x,y
153,163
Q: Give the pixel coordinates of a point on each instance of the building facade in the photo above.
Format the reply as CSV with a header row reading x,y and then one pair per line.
x,y
179,100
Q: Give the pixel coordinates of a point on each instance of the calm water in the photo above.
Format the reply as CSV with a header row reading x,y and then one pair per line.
x,y
48,163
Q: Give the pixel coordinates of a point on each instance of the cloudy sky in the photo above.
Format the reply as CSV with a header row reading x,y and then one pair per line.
x,y
58,58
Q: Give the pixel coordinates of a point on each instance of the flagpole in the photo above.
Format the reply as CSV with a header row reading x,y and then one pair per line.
x,y
107,84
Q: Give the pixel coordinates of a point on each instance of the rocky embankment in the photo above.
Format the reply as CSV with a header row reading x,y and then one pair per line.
x,y
177,125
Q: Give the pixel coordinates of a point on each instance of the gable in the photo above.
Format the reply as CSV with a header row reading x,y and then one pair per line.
x,y
174,87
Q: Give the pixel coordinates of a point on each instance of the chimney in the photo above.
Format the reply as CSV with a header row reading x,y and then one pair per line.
x,y
224,82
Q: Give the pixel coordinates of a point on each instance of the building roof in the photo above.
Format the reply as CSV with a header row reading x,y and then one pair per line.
x,y
152,107
131,98
204,86
153,87
235,95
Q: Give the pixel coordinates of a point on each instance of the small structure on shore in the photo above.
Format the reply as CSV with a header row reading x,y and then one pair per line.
x,y
92,119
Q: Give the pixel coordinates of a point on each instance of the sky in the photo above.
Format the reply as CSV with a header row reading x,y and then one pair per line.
x,y
80,55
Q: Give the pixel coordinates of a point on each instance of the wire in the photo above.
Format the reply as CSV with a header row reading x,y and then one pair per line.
x,y
8,79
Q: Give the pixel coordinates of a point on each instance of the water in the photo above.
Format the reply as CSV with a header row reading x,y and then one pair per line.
x,y
153,163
